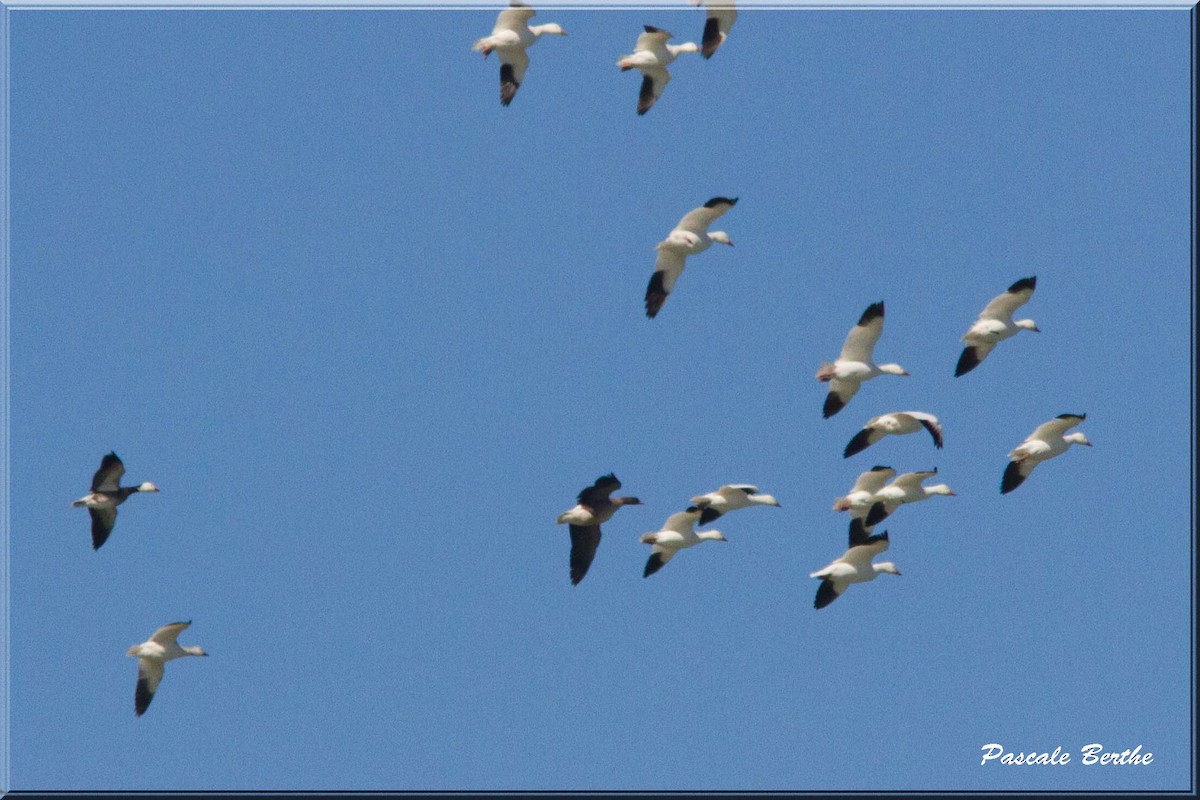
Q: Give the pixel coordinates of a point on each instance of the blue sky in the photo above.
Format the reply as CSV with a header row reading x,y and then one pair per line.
x,y
370,332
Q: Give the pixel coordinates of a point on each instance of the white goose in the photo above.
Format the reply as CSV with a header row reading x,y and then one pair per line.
x,y
652,55
1047,441
720,18
511,35
853,567
859,500
995,324
728,498
106,495
895,423
677,533
595,506
903,489
854,365
690,236
152,655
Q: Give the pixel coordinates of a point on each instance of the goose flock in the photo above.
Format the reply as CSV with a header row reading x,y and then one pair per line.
x,y
876,494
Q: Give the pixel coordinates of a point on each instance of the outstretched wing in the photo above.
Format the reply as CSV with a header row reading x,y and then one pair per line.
x,y
584,541
862,337
654,80
716,28
698,219
512,73
599,491
840,393
514,18
103,520
667,269
108,477
169,633
1056,427
1015,474
150,674
1001,307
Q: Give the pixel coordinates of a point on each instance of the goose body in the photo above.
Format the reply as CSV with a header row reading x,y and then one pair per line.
x,y
995,324
677,533
152,654
854,365
511,36
595,507
106,495
895,423
652,55
728,498
854,566
689,237
719,19
1048,440
902,490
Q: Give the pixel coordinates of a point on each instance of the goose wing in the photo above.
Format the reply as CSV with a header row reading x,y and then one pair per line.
x,y
929,422
514,18
654,80
716,28
108,477
1056,427
862,337
103,520
698,219
584,541
667,269
169,633
598,492
1001,307
513,64
150,672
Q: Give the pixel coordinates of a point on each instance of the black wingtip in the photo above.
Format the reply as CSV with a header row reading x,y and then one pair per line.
x,y
860,442
1071,416
1024,283
968,361
708,515
833,404
825,594
651,29
1012,477
858,532
653,565
879,468
874,310
721,201
876,515
142,697
656,295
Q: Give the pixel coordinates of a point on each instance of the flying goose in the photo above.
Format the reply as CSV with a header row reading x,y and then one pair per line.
x,y
652,55
853,567
511,35
152,655
860,499
677,533
730,497
903,489
720,18
106,495
995,324
1046,441
595,507
897,422
854,365
689,237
